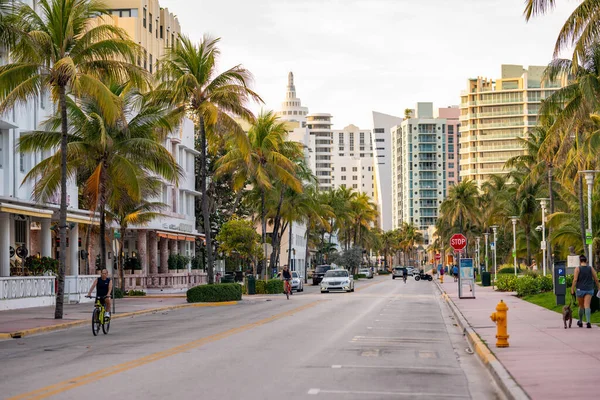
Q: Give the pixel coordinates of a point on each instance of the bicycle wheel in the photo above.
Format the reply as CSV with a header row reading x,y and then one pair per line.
x,y
287,291
106,325
96,322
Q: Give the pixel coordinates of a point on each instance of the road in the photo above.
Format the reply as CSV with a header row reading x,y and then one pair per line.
x,y
386,340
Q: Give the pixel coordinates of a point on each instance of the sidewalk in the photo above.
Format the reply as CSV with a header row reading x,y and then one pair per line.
x,y
546,360
29,321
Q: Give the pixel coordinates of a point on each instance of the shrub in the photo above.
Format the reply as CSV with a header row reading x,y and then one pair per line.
x,y
532,273
506,283
260,286
136,293
274,286
359,276
197,262
545,283
384,272
132,263
527,285
118,293
569,282
214,293
507,270
172,261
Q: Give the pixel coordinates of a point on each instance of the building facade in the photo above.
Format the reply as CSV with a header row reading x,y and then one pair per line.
x,y
352,160
382,165
494,115
451,115
418,166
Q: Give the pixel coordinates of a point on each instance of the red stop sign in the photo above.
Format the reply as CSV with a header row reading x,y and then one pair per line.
x,y
438,256
458,241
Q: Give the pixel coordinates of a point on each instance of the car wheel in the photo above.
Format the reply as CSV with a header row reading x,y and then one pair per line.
x,y
323,291
417,278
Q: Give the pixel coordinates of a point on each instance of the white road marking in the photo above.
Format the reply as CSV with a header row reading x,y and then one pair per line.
x,y
336,366
313,391
397,394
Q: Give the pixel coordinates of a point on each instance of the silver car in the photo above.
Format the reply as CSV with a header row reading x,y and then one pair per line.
x,y
297,283
366,272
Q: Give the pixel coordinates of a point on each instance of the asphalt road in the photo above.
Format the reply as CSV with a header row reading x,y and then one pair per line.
x,y
386,340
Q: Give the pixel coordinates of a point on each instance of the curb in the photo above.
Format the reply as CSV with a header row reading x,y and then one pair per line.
x,y
507,384
72,324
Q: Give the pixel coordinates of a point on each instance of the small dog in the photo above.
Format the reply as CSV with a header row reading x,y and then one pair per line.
x,y
567,314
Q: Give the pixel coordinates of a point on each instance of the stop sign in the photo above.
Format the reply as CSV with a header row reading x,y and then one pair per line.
x,y
438,256
458,241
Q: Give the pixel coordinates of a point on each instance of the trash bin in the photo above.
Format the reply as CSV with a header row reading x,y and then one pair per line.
x,y
251,284
227,279
486,279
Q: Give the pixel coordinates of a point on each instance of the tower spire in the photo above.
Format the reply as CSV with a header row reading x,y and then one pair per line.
x,y
291,88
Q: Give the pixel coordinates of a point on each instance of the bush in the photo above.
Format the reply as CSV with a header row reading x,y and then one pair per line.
x,y
534,274
274,286
136,293
133,264
506,283
359,276
569,282
260,286
507,270
118,293
545,283
197,262
527,285
384,272
215,293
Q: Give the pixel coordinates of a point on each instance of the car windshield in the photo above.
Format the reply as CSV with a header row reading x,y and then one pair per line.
x,y
364,270
294,274
323,268
336,274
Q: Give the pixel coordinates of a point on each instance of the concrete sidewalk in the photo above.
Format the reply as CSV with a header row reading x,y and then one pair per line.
x,y
29,321
546,360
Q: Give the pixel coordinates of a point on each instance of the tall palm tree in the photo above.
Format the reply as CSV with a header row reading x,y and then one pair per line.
x,y
267,161
189,79
461,205
62,51
111,156
580,30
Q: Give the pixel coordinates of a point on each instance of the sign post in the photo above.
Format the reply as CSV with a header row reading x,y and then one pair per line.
x,y
458,242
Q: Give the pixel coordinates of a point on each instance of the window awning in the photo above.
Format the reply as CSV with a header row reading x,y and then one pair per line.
x,y
173,236
29,211
6,125
80,219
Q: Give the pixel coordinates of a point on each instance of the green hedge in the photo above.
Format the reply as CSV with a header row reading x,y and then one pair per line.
x,y
215,293
359,276
136,293
272,286
506,283
545,283
118,293
527,285
384,272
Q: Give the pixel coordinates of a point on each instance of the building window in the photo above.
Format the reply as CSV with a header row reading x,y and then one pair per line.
x,y
354,169
172,40
379,140
450,174
150,63
150,23
379,130
343,169
362,154
1,152
451,165
144,19
354,177
451,156
343,177
355,186
22,161
161,31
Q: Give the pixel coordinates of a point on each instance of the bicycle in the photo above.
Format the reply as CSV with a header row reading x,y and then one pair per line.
x,y
287,288
404,277
98,318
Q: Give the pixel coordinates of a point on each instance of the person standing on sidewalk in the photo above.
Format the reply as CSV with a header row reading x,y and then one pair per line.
x,y
583,286
455,273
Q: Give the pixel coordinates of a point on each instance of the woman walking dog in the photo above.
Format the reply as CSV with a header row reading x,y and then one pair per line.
x,y
583,287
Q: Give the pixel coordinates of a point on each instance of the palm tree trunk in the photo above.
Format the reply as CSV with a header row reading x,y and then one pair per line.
x,y
276,236
306,251
551,196
62,223
263,220
121,263
204,206
528,240
88,237
582,216
290,244
102,209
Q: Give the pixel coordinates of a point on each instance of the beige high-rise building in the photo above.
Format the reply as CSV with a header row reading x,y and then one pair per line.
x,y
148,24
495,114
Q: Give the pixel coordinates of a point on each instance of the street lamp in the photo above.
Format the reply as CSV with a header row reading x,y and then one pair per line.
x,y
477,238
514,224
486,236
589,179
495,229
543,203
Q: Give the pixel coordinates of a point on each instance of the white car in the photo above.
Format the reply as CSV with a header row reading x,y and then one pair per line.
x,y
366,272
297,283
337,279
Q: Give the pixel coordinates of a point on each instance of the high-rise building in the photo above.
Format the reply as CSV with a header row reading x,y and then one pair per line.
x,y
382,164
418,168
495,114
291,107
352,160
451,115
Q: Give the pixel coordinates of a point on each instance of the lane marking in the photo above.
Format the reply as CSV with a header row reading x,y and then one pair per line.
x,y
313,391
435,370
72,383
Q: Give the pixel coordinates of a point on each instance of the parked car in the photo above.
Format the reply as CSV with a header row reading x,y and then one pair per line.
x,y
319,273
398,272
412,271
337,279
297,283
366,272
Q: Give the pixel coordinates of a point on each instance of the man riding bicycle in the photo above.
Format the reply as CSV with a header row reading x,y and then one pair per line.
x,y
286,275
404,274
103,287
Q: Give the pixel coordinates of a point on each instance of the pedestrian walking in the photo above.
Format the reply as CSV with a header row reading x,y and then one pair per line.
x,y
455,273
583,287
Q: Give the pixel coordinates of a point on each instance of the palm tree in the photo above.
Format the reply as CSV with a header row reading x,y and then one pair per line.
x,y
267,161
125,212
461,205
111,156
580,30
61,51
188,73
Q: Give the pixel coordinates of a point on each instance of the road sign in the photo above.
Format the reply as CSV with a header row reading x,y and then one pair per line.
x,y
117,235
438,256
458,241
588,237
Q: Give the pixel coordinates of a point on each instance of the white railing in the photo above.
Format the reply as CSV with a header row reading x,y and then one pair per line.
x,y
77,286
19,287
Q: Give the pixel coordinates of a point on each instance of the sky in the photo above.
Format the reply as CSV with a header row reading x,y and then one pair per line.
x,y
352,57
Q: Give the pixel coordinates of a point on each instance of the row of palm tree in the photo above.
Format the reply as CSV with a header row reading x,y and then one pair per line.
x,y
403,242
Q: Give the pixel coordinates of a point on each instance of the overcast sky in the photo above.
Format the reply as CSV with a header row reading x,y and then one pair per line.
x,y
351,57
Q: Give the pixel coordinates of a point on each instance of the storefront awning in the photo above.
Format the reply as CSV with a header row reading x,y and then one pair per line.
x,y
173,236
22,210
80,219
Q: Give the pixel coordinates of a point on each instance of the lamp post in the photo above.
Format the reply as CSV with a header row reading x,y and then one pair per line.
x,y
543,203
514,224
589,179
486,236
477,238
495,229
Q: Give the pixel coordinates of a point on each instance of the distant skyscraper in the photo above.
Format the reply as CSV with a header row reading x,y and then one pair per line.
x,y
495,114
291,107
451,115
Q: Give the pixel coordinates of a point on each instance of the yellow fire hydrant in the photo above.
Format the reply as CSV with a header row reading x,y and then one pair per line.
x,y
499,317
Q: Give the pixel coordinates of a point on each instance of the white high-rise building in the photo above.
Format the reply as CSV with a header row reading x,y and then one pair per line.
x,y
291,107
382,163
419,157
352,160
